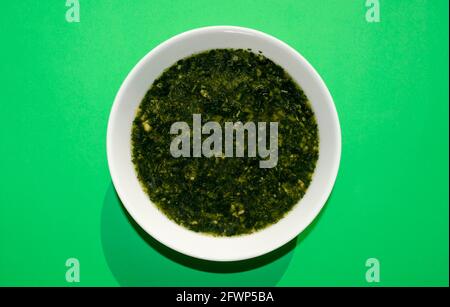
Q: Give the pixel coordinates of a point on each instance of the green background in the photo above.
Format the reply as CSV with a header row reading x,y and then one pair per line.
x,y
389,81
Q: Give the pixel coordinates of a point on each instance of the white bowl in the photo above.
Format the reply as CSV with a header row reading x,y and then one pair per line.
x,y
138,204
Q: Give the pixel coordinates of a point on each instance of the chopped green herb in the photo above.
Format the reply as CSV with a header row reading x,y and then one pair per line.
x,y
219,195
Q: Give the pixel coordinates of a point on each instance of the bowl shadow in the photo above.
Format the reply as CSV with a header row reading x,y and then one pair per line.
x,y
216,266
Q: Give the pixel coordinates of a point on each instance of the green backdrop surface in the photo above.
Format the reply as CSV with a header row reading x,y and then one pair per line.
x,y
389,81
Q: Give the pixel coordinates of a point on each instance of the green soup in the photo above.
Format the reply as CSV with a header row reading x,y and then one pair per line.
x,y
219,195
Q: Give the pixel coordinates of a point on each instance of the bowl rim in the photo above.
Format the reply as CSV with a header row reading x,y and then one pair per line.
x,y
211,29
